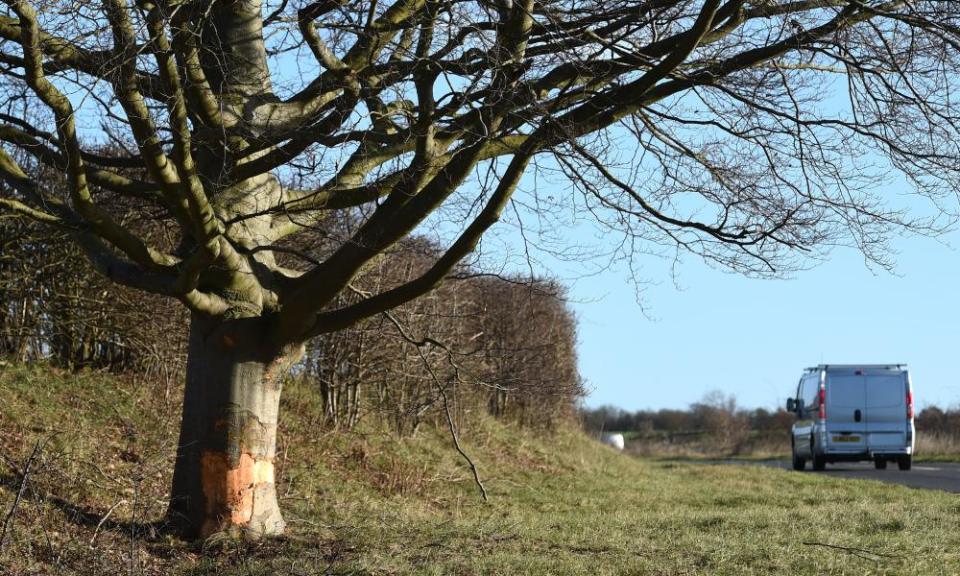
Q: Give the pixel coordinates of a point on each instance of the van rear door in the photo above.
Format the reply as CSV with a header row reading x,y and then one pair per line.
x,y
886,410
846,418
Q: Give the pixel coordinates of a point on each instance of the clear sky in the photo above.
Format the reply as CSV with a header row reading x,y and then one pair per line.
x,y
701,329
753,337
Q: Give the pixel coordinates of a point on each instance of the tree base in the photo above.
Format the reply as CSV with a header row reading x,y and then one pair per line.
x,y
239,502
239,495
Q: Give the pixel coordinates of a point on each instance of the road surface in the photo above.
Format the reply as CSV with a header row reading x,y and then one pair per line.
x,y
929,475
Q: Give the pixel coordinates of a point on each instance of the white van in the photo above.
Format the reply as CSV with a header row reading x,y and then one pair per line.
x,y
853,412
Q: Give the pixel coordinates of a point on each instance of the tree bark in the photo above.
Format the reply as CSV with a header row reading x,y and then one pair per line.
x,y
223,479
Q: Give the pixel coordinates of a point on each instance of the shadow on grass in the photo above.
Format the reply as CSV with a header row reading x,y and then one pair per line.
x,y
87,516
217,555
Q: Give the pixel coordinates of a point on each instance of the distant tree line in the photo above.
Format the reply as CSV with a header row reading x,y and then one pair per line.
x,y
938,431
939,421
717,424
714,412
501,345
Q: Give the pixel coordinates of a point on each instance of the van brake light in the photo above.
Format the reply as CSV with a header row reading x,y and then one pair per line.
x,y
822,402
909,405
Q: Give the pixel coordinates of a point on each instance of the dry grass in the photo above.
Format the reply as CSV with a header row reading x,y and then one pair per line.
x,y
366,502
937,446
928,446
750,445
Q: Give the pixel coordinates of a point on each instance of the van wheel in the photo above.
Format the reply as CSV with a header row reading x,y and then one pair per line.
x,y
904,462
798,463
880,463
819,462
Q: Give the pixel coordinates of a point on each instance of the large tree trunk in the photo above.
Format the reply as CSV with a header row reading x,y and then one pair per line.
x,y
223,480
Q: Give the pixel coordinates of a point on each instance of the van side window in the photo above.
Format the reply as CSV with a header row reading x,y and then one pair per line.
x,y
811,385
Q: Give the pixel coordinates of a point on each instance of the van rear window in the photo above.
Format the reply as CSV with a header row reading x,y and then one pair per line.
x,y
844,391
886,391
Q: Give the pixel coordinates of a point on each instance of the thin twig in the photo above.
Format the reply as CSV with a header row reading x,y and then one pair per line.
x,y
134,550
859,552
104,519
453,429
23,486
419,344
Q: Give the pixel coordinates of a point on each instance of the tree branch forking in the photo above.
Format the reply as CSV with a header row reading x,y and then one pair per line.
x,y
717,127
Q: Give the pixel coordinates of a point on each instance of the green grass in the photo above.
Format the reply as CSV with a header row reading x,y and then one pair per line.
x,y
369,503
936,458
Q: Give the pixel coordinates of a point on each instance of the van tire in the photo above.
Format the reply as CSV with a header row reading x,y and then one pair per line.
x,y
904,462
880,463
819,462
798,463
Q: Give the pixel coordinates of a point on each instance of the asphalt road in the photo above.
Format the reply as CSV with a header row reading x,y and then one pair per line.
x,y
929,475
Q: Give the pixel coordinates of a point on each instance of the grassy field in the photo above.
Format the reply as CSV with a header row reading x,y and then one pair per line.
x,y
928,448
368,503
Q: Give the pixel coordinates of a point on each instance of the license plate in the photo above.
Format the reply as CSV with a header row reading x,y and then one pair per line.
x,y
846,438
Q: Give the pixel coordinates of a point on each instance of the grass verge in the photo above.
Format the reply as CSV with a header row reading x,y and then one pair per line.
x,y
366,502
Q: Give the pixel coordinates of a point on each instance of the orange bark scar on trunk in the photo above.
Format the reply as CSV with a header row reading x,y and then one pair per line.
x,y
228,492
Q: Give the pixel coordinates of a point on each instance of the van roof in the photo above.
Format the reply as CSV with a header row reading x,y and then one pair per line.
x,y
843,367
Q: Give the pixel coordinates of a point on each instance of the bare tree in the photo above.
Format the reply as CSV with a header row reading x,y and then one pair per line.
x,y
756,126
529,339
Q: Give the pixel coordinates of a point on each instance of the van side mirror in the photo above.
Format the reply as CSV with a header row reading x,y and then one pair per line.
x,y
791,404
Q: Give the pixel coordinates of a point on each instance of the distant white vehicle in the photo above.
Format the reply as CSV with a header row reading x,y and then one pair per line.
x,y
853,412
615,440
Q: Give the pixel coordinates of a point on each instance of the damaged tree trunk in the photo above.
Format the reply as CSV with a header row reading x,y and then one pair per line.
x,y
223,478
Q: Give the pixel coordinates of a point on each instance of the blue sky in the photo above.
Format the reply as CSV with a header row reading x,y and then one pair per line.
x,y
753,337
702,329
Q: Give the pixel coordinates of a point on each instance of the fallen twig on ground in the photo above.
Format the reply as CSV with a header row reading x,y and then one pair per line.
x,y
859,552
8,521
